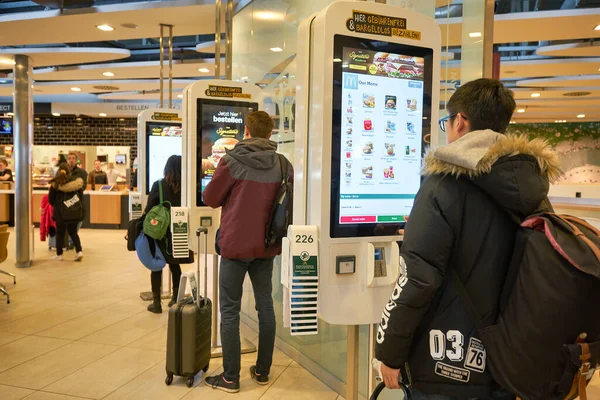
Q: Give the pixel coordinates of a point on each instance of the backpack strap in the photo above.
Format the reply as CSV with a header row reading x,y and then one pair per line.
x,y
160,193
284,168
577,232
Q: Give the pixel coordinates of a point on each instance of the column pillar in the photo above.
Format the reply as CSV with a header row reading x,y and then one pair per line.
x,y
23,142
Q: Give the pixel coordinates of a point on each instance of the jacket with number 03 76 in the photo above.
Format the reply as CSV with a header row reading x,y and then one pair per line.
x,y
464,219
59,193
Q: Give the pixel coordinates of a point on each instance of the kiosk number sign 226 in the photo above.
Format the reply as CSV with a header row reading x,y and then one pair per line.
x,y
304,239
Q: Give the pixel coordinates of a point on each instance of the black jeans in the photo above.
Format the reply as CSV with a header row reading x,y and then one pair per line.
x,y
231,280
156,278
63,227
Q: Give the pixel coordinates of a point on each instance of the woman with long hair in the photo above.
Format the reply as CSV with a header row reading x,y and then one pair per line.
x,y
65,197
171,188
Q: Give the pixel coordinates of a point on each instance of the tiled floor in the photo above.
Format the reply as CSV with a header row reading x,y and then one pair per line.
x,y
80,331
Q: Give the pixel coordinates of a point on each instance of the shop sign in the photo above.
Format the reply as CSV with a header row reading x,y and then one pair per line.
x,y
305,265
373,24
38,108
158,116
227,91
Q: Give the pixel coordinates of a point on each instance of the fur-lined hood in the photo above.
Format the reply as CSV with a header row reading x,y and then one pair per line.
x,y
72,186
513,170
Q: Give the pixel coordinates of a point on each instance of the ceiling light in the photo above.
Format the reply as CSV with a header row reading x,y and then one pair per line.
x,y
581,116
244,78
597,28
521,110
535,95
7,61
180,96
105,28
108,73
75,89
10,114
102,114
56,114
337,60
475,34
269,15
203,70
513,122
276,49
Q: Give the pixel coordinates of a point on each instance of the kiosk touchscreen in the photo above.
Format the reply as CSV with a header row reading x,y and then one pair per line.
x,y
368,78
159,137
214,123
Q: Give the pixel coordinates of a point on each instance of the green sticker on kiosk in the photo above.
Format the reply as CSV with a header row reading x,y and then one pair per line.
x,y
305,265
180,227
362,22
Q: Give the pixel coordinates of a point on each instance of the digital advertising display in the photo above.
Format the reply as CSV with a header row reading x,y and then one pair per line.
x,y
163,139
6,126
382,111
220,127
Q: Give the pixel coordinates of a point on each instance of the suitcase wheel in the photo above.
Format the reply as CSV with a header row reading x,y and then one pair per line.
x,y
205,369
189,382
169,379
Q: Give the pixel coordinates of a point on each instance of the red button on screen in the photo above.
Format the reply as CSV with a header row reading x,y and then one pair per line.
x,y
358,219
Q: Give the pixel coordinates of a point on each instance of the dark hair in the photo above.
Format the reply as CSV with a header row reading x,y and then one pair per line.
x,y
3,161
485,103
259,124
73,154
63,175
173,173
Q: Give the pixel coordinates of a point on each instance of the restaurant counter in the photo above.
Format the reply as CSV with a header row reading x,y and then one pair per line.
x,y
102,210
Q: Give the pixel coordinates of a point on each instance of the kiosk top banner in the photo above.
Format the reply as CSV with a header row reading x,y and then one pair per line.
x,y
227,92
363,22
161,116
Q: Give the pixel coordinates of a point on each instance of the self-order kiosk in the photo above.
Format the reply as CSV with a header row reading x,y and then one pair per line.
x,y
368,88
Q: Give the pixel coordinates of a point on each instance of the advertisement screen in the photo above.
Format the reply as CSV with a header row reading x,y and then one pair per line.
x,y
220,127
6,126
163,139
381,115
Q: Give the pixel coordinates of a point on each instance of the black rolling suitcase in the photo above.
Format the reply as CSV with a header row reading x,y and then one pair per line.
x,y
189,328
381,386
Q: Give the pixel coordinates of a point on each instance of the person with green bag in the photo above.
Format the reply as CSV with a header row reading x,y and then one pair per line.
x,y
165,193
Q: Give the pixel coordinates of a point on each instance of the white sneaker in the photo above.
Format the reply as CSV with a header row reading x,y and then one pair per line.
x,y
58,258
79,256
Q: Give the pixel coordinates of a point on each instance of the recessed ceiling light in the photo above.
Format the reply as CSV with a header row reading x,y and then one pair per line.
x,y
521,110
105,28
597,28
337,60
203,70
475,34
269,15
56,114
7,61
108,73
535,95
513,122
276,49
581,116
244,78
180,96
102,114
75,89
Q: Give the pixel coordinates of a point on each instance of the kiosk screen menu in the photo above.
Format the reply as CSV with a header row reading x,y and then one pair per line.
x,y
163,139
382,103
220,127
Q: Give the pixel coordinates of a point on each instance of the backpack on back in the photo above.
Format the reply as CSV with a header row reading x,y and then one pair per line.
x,y
158,219
282,211
71,208
545,343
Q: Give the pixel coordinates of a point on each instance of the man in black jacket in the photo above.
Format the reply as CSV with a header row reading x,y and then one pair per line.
x,y
476,191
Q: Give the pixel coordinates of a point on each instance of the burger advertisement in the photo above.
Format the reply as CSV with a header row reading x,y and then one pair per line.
x,y
385,64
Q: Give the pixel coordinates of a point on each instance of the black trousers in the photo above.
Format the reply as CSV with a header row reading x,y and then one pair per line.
x,y
156,278
61,228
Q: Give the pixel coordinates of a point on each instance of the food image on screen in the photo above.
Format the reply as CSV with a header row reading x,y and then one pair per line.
x,y
380,187
163,139
220,128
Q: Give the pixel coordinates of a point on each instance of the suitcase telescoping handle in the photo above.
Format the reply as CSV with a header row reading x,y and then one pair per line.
x,y
199,232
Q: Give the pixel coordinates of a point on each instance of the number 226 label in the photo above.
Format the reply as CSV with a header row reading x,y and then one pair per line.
x,y
475,358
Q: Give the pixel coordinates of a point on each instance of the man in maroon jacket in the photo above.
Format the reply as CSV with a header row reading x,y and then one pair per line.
x,y
245,184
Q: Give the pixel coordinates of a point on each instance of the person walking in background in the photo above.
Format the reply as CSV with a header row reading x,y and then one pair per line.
x,y
64,196
97,176
76,171
245,184
171,188
112,174
5,173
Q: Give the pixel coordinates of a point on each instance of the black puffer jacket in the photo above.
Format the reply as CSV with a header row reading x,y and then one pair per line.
x,y
464,218
58,194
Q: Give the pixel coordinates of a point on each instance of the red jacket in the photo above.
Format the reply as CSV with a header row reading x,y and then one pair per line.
x,y
46,221
245,184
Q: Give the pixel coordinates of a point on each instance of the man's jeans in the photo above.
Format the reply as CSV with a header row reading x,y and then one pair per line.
x,y
499,395
231,280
